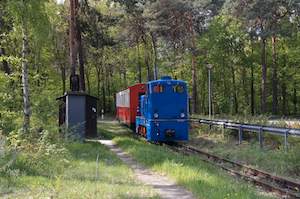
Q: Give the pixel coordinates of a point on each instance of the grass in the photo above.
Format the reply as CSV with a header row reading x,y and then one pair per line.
x,y
204,180
272,158
78,179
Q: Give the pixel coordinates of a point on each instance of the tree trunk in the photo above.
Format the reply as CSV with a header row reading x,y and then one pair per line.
x,y
37,67
194,68
63,78
236,106
80,52
108,87
72,37
295,99
5,64
154,46
103,89
146,57
139,64
74,82
25,82
124,75
81,61
252,92
111,92
98,75
244,85
173,68
194,86
284,101
87,72
264,76
274,78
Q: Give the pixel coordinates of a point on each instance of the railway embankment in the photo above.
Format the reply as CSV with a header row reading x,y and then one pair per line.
x,y
272,158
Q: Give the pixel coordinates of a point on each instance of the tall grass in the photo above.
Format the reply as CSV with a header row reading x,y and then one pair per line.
x,y
272,157
73,174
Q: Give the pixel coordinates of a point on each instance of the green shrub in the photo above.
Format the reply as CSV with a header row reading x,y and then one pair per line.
x,y
38,153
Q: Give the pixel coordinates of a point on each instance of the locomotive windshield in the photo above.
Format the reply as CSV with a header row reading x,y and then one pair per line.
x,y
178,89
168,89
158,89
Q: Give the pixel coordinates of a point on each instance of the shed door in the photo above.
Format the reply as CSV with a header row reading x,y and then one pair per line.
x,y
91,117
62,111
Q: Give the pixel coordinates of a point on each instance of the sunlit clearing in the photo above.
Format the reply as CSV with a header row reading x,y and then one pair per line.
x,y
60,1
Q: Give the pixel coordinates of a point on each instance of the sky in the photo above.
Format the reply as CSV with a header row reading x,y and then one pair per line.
x,y
60,1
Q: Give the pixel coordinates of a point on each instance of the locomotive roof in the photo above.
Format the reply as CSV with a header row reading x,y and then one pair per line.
x,y
166,78
163,79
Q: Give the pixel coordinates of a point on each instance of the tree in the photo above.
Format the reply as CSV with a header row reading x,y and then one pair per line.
x,y
263,17
26,13
60,41
135,32
73,44
4,28
95,28
180,23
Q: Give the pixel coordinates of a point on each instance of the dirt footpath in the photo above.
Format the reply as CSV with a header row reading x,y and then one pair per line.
x,y
165,187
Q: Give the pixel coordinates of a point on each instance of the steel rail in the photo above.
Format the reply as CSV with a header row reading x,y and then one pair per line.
x,y
279,185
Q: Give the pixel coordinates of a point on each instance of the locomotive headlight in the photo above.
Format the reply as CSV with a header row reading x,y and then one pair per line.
x,y
155,115
182,115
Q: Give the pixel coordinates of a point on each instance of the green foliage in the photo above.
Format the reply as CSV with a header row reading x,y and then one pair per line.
x,y
9,106
41,153
119,38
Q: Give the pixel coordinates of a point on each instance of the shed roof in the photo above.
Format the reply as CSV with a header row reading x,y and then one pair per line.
x,y
76,93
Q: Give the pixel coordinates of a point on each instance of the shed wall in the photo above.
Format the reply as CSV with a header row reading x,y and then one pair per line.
x,y
75,114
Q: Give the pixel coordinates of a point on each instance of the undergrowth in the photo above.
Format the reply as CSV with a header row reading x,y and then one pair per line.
x,y
44,165
272,157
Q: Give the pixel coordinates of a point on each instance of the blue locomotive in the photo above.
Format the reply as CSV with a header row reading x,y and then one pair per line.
x,y
163,111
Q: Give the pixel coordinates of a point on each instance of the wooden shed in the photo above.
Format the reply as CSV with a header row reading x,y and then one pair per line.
x,y
78,113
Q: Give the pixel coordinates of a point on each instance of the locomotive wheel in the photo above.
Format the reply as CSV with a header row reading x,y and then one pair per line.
x,y
142,131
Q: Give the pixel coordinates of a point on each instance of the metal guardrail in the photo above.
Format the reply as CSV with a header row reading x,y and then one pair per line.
x,y
241,127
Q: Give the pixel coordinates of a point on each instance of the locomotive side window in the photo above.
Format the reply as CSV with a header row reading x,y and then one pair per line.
x,y
158,89
178,89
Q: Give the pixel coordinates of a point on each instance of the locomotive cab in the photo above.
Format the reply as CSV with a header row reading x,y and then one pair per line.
x,y
164,111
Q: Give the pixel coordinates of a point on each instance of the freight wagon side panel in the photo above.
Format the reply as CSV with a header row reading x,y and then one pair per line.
x,y
123,106
135,92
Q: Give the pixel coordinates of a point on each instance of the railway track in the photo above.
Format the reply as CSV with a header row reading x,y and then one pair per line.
x,y
283,187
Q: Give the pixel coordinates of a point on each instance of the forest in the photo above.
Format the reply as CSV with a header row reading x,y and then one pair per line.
x,y
249,49
251,45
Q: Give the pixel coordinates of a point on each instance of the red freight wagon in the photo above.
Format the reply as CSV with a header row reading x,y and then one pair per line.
x,y
127,102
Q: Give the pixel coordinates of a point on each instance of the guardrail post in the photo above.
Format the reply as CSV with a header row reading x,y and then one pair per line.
x,y
240,135
223,130
260,137
210,125
286,140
